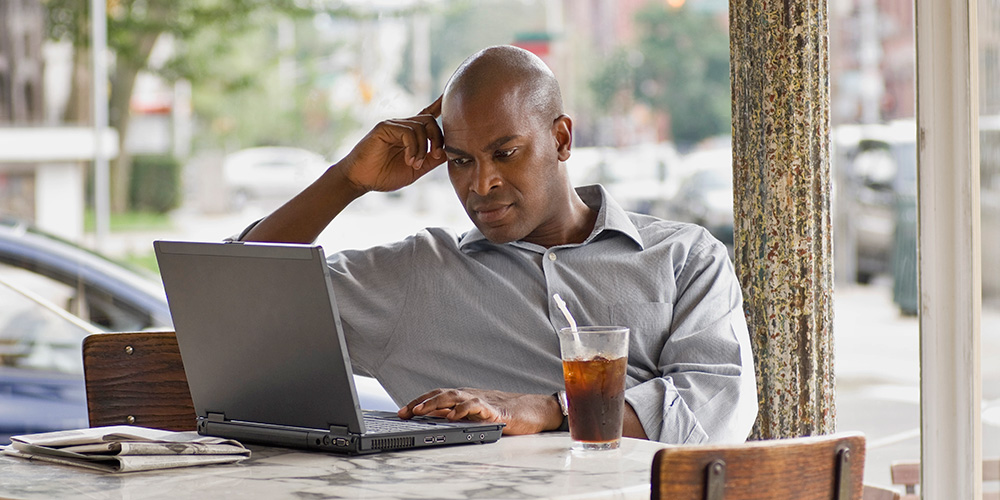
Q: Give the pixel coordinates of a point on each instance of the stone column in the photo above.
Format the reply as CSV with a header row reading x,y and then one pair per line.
x,y
781,169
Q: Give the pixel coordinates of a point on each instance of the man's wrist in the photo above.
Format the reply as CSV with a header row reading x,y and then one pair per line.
x,y
560,397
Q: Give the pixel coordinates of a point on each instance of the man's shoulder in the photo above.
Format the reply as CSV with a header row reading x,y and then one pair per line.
x,y
665,229
657,233
436,240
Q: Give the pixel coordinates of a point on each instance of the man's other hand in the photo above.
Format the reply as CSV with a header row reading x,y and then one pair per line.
x,y
523,413
397,152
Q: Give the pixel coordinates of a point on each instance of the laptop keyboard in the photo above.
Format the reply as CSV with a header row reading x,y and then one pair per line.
x,y
380,425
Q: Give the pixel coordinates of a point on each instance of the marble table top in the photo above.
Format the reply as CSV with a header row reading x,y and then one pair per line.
x,y
539,466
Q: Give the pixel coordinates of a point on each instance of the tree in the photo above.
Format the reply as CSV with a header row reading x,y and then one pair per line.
x,y
679,65
462,27
133,28
245,95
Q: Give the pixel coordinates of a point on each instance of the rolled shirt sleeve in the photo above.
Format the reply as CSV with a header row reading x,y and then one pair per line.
x,y
706,389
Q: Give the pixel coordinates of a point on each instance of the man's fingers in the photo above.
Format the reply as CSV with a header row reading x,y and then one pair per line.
x,y
434,109
472,409
436,138
408,410
433,130
412,133
417,149
443,403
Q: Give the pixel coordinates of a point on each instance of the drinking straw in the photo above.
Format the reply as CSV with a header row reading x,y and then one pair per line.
x,y
569,317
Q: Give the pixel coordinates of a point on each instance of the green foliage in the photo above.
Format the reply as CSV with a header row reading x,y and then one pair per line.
x,y
461,28
155,184
128,221
243,99
680,64
146,261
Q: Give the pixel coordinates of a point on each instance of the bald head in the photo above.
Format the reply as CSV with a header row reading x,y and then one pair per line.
x,y
506,71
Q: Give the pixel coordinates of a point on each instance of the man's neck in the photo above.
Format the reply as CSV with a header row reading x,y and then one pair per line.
x,y
582,219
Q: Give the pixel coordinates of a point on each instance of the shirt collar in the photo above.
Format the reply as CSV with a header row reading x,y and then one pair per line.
x,y
610,217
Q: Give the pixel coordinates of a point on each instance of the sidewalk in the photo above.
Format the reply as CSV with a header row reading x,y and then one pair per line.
x,y
877,366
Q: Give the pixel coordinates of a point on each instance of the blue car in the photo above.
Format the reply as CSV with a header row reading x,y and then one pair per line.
x,y
53,294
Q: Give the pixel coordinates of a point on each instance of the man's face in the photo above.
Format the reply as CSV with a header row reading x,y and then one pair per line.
x,y
504,164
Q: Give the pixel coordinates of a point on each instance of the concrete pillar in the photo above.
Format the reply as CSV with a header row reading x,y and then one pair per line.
x,y
781,168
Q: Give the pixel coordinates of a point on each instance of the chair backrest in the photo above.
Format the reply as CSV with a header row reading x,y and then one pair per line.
x,y
818,467
137,379
872,492
908,474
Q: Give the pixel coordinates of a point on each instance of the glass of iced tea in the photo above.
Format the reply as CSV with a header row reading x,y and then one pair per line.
x,y
594,361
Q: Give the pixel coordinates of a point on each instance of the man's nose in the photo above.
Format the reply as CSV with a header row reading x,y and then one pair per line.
x,y
486,178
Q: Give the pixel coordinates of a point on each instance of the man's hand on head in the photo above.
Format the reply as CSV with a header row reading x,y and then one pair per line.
x,y
397,152
523,413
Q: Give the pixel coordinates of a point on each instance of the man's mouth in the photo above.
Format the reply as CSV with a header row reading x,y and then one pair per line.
x,y
491,214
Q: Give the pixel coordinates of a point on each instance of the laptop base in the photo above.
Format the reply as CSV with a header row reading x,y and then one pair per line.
x,y
341,443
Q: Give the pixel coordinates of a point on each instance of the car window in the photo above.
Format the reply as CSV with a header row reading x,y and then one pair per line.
x,y
714,179
35,334
75,296
875,166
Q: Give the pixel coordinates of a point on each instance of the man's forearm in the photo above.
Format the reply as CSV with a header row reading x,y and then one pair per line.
x,y
305,216
632,427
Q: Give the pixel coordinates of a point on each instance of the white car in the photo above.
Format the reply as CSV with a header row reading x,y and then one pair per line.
x,y
270,172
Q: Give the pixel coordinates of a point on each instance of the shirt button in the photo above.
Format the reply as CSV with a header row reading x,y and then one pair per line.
x,y
552,257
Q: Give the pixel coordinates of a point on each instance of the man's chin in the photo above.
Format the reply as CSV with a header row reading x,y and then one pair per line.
x,y
497,235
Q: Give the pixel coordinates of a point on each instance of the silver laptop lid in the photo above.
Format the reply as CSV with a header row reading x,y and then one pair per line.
x,y
259,332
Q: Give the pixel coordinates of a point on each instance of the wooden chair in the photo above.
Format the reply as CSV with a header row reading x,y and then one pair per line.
x,y
137,379
878,493
908,474
818,467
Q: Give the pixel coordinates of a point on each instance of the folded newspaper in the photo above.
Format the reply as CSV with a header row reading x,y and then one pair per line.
x,y
125,448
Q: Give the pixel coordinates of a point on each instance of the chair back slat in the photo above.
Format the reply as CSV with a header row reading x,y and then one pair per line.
x,y
877,493
802,468
991,469
137,379
907,473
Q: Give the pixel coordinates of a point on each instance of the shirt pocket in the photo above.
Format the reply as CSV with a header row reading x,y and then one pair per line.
x,y
649,326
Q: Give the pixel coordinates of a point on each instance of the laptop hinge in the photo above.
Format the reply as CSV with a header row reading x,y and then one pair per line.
x,y
216,417
339,430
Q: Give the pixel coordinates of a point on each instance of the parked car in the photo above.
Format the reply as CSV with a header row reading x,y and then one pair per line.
x,y
640,178
705,196
41,368
270,173
876,168
53,294
106,294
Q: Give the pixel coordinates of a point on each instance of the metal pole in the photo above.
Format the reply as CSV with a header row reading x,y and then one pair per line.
x,y
99,46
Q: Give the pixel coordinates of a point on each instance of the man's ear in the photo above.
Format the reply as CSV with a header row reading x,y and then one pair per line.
x,y
562,130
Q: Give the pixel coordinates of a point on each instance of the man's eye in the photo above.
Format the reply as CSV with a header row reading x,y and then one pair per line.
x,y
458,162
504,153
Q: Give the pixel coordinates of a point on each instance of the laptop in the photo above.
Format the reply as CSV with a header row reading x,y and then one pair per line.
x,y
260,335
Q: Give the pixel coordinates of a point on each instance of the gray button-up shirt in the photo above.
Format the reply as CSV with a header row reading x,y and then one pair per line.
x,y
442,310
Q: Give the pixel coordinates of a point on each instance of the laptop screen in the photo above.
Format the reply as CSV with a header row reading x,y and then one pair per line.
x,y
259,332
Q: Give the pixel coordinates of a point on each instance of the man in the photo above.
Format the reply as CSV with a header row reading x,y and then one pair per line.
x,y
439,311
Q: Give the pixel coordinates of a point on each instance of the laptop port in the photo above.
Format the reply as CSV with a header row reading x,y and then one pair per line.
x,y
429,439
468,437
439,439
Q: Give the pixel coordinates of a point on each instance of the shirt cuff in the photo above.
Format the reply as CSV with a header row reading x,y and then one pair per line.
x,y
664,415
243,233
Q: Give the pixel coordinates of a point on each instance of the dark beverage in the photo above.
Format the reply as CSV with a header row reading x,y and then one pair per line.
x,y
595,390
